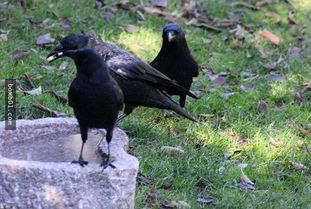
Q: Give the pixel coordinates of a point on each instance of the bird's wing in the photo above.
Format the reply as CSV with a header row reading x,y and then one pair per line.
x,y
128,66
133,68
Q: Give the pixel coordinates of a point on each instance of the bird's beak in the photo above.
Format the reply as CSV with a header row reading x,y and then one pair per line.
x,y
170,36
54,56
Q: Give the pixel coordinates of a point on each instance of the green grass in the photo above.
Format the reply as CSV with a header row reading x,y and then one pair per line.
x,y
229,121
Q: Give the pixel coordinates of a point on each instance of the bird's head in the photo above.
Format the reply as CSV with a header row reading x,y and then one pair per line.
x,y
173,33
70,42
80,56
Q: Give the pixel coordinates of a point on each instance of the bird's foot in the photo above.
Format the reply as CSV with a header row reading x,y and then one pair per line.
x,y
80,161
107,163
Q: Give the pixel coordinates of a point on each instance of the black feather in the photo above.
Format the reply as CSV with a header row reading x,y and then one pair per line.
x,y
175,60
142,85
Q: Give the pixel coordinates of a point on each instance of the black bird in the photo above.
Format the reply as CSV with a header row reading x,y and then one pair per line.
x,y
175,60
94,96
142,85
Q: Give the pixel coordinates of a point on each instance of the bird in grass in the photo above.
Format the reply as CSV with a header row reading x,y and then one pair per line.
x,y
142,85
94,96
175,60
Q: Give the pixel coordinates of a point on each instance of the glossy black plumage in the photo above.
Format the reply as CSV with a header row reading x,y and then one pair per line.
x,y
175,60
94,95
141,84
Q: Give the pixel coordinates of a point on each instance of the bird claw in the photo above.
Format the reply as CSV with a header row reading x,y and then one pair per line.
x,y
107,163
81,162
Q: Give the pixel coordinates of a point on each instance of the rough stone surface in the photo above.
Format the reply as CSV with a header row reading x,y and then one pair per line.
x,y
43,185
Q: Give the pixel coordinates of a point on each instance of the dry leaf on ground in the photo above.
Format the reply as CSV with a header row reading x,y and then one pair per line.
x,y
172,150
270,36
262,107
275,142
129,28
45,39
160,3
244,4
246,186
36,91
298,166
203,199
264,3
19,54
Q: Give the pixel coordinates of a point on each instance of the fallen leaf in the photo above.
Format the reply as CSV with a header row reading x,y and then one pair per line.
x,y
142,179
244,4
271,15
270,65
99,3
239,34
241,166
264,3
59,98
206,27
227,95
273,65
306,133
294,51
221,169
36,91
108,16
275,142
262,107
173,17
31,83
246,186
227,154
209,71
218,80
204,184
47,110
270,36
247,87
175,204
63,65
48,67
298,166
203,199
45,39
65,22
167,185
277,78
129,28
245,179
154,193
19,54
264,54
159,3
172,150
290,18
298,97
3,37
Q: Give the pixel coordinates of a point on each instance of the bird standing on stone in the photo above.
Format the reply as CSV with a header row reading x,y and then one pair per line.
x,y
94,96
175,60
142,85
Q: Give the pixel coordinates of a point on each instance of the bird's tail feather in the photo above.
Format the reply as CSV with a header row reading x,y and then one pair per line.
x,y
170,104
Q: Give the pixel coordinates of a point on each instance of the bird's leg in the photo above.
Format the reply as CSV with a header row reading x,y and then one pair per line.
x,y
108,161
122,116
182,100
81,161
127,110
